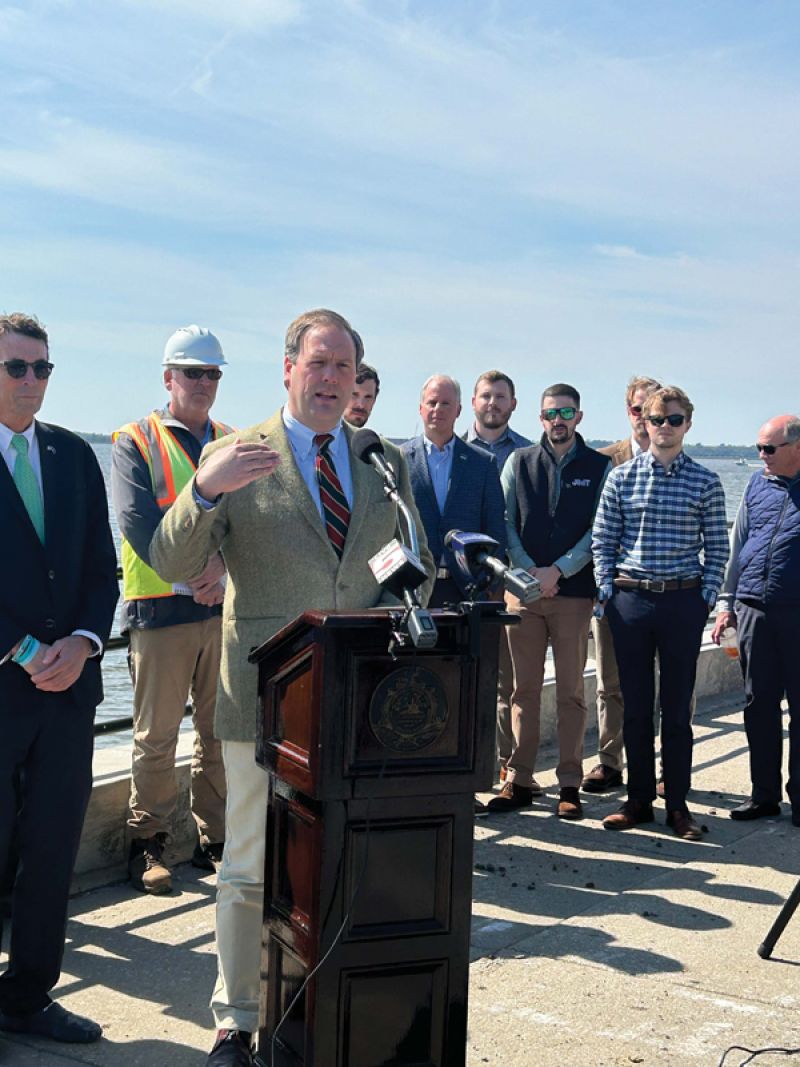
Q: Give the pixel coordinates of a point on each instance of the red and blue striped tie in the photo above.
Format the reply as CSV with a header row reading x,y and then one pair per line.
x,y
334,503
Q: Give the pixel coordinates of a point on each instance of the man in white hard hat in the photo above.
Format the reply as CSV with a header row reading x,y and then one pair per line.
x,y
175,630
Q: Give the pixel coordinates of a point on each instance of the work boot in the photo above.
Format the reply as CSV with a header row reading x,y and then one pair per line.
x,y
208,857
146,868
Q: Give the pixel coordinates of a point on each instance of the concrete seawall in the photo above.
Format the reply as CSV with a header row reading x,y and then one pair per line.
x,y
103,853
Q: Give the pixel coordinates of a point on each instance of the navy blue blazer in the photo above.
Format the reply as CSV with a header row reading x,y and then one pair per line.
x,y
474,504
69,582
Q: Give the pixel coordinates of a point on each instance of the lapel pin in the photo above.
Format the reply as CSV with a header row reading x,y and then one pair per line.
x,y
51,449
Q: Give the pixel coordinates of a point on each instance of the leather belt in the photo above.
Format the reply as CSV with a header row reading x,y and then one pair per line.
x,y
656,585
442,572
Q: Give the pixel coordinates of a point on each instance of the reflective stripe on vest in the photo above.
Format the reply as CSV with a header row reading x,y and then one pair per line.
x,y
171,469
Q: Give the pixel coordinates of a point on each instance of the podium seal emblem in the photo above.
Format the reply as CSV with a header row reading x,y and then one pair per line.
x,y
408,710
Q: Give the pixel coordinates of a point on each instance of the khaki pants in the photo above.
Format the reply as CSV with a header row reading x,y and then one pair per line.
x,y
166,664
240,891
505,686
564,621
610,708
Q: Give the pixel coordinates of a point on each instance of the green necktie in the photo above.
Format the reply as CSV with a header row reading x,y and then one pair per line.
x,y
27,485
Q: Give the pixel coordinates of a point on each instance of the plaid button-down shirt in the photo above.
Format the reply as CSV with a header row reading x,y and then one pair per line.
x,y
654,523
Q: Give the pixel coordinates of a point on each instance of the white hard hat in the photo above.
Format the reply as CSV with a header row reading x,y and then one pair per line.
x,y
193,346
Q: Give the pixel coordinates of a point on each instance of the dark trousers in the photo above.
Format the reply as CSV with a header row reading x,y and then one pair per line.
x,y
769,650
47,750
670,624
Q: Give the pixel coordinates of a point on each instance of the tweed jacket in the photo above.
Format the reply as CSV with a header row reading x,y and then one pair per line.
x,y
620,452
279,560
474,501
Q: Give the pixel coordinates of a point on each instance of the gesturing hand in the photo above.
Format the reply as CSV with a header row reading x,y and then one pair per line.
x,y
234,466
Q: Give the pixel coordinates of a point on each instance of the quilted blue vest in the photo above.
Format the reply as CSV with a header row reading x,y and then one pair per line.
x,y
769,561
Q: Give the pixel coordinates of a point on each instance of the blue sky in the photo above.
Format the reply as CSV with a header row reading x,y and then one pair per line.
x,y
567,191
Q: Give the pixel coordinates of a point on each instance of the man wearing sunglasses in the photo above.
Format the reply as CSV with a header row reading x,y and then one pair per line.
x,y
551,492
657,513
57,604
607,774
761,598
174,630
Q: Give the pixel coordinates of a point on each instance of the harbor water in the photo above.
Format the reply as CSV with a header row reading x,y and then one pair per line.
x,y
116,679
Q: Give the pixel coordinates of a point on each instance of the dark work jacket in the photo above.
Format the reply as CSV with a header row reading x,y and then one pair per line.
x,y
546,537
769,560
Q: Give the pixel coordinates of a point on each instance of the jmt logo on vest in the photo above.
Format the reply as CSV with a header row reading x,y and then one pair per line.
x,y
581,483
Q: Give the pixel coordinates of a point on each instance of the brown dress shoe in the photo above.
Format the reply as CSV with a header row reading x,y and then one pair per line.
x,y
510,797
683,825
569,803
632,813
600,779
536,789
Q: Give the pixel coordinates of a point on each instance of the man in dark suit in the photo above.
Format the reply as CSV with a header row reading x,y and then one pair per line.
x,y
56,607
455,485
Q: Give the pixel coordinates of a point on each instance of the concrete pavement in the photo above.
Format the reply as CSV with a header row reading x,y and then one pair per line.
x,y
588,947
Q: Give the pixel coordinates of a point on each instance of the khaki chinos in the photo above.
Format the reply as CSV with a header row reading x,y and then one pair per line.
x,y
564,622
167,664
610,708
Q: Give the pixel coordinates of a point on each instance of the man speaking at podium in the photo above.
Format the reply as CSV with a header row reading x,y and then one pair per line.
x,y
296,520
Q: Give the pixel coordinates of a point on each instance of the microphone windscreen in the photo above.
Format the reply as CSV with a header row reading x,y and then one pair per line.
x,y
365,442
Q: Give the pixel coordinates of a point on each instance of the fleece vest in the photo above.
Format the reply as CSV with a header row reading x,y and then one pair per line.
x,y
546,536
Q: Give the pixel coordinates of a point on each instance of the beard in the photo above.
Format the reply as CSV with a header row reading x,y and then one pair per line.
x,y
557,435
493,420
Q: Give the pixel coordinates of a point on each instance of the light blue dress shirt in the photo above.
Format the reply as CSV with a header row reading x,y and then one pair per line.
x,y
440,465
301,440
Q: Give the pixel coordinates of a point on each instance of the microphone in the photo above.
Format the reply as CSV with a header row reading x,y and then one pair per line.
x,y
397,567
368,447
472,552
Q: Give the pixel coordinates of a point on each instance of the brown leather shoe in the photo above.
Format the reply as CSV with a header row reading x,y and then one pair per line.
x,y
683,825
569,803
536,789
632,813
510,797
600,779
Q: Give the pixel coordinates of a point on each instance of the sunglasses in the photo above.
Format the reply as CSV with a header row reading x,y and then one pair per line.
x,y
196,373
635,409
551,414
18,368
673,420
770,450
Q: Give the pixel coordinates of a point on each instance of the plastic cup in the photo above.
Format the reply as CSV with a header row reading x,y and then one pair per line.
x,y
729,642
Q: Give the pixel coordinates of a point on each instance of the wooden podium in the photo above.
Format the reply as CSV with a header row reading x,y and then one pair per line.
x,y
373,761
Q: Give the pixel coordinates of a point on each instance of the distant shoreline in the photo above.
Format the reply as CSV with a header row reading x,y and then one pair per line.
x,y
699,450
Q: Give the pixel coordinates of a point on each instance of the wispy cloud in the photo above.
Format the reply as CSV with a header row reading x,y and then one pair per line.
x,y
552,188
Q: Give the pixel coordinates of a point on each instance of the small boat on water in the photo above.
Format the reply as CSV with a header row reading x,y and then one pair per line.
x,y
741,462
